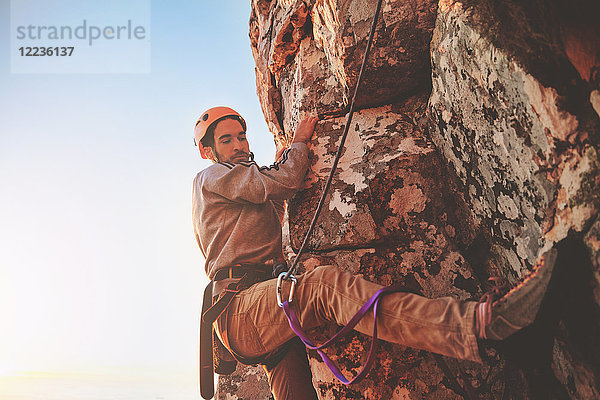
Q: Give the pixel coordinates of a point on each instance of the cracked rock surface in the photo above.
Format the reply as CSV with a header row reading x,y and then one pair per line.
x,y
474,149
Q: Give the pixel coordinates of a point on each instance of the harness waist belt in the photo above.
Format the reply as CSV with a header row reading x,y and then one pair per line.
x,y
248,276
238,271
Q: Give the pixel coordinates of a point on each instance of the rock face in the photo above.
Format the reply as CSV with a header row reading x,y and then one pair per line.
x,y
475,149
247,382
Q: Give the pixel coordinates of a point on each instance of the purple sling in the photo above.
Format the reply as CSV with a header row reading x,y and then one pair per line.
x,y
372,302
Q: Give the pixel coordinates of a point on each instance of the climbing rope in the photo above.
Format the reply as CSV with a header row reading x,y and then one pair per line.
x,y
340,147
372,303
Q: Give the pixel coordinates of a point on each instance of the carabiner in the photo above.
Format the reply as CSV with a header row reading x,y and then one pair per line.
x,y
292,288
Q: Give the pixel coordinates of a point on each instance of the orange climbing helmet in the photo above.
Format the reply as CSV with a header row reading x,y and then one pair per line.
x,y
210,117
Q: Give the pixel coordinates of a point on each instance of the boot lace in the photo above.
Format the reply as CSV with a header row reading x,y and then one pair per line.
x,y
499,287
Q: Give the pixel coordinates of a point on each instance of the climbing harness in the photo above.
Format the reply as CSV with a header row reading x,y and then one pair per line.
x,y
217,356
374,300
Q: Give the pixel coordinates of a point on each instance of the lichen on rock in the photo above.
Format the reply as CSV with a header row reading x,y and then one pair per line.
x,y
474,148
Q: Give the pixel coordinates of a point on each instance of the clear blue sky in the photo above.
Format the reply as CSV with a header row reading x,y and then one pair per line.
x,y
99,269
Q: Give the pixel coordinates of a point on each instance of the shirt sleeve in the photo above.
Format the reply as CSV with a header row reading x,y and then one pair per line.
x,y
246,182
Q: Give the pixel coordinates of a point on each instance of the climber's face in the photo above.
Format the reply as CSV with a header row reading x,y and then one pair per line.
x,y
230,142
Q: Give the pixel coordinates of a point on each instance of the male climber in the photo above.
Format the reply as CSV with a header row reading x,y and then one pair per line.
x,y
237,212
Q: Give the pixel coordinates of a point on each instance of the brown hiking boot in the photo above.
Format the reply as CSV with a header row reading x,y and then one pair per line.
x,y
500,312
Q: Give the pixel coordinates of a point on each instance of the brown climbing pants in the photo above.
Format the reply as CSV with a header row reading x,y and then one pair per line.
x,y
291,378
256,324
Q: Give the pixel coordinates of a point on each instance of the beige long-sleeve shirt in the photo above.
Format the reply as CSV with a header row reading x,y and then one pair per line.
x,y
237,208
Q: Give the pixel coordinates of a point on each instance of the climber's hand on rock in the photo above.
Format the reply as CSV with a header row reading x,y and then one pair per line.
x,y
305,129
